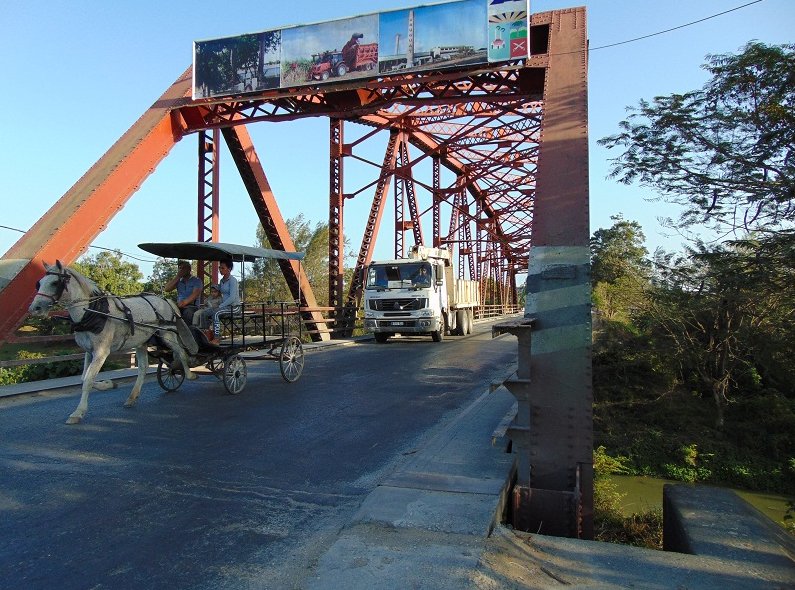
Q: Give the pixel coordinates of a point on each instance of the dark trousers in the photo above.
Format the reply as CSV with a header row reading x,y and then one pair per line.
x,y
187,313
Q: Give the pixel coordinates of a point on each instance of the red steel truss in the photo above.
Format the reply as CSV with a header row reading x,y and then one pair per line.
x,y
482,125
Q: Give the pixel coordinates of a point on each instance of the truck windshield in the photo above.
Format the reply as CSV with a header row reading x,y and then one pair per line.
x,y
398,276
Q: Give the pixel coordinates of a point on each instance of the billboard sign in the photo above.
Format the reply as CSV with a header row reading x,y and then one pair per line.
x,y
451,34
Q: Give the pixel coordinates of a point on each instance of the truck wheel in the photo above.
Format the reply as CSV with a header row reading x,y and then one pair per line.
x,y
460,322
324,76
470,320
438,336
381,337
342,69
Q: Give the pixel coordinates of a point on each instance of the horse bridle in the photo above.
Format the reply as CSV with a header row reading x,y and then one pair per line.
x,y
63,281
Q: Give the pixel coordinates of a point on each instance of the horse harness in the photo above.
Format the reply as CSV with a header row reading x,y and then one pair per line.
x,y
97,312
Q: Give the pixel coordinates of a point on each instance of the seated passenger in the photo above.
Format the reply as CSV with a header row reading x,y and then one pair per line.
x,y
230,295
203,318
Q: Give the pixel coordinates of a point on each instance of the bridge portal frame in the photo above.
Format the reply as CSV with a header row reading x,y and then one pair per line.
x,y
515,138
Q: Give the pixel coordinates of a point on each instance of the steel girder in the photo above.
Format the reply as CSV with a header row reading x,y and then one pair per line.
x,y
72,223
258,187
209,198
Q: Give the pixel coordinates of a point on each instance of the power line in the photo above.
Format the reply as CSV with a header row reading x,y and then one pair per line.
x,y
701,20
22,231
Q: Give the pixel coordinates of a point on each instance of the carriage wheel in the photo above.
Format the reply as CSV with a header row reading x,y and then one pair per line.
x,y
291,359
170,375
235,374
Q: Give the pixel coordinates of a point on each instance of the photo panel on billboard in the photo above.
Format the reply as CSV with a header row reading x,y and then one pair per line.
x,y
236,65
330,52
432,37
508,30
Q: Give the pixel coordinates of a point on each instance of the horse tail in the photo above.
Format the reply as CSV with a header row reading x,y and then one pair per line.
x,y
183,331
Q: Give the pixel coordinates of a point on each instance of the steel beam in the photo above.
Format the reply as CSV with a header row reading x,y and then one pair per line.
x,y
80,215
259,190
336,239
209,198
559,393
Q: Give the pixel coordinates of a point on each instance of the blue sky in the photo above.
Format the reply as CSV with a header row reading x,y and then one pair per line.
x,y
78,73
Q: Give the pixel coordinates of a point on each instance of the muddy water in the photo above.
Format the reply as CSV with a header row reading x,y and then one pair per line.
x,y
644,493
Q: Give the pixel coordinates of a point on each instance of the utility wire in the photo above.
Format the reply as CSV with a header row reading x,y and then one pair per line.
x,y
22,231
701,20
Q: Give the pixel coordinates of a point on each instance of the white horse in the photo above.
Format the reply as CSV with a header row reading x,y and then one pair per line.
x,y
104,323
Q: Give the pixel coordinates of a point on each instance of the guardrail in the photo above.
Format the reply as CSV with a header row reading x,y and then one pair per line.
x,y
481,312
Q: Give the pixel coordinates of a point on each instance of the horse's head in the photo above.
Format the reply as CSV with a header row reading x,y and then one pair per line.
x,y
50,288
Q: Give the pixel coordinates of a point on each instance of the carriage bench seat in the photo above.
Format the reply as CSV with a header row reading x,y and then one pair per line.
x,y
238,323
256,320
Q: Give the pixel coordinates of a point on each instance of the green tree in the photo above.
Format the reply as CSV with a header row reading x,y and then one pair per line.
x,y
163,271
111,273
618,251
724,153
268,280
714,306
619,268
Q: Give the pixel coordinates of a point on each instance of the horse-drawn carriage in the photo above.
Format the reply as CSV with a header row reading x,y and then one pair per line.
x,y
104,323
253,331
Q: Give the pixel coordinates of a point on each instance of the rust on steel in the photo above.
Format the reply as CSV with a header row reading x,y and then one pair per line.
x,y
256,182
554,429
72,223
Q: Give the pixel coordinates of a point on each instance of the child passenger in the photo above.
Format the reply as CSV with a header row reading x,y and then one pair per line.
x,y
203,317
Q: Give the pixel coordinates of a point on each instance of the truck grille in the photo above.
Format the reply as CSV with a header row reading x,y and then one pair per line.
x,y
406,304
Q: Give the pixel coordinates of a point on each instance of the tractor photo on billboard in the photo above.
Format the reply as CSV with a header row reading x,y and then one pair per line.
x,y
354,57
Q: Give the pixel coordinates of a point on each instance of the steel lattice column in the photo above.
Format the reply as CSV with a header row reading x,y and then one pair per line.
x,y
336,254
209,199
554,493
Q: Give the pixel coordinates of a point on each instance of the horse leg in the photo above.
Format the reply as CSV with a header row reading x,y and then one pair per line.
x,y
173,343
89,374
142,360
86,362
98,385
183,358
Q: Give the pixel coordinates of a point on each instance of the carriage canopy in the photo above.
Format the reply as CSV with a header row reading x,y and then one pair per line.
x,y
217,251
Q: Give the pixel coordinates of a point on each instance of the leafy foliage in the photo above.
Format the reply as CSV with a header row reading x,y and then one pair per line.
x,y
163,271
610,524
268,282
111,273
724,152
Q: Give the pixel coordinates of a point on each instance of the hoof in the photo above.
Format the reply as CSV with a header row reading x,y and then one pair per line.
x,y
190,376
129,404
104,385
74,420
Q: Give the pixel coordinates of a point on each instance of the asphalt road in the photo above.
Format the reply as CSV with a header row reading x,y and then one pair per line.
x,y
200,489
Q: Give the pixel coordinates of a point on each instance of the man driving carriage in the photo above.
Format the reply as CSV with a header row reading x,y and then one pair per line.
x,y
189,290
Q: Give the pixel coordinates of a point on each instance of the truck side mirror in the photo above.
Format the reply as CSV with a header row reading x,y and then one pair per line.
x,y
439,275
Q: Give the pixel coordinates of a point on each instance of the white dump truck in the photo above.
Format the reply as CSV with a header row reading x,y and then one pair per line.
x,y
418,295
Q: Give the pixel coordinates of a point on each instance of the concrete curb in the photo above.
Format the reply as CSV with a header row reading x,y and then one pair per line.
x,y
425,525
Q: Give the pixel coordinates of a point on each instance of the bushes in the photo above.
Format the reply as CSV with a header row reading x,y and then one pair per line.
x,y
674,437
626,367
37,372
